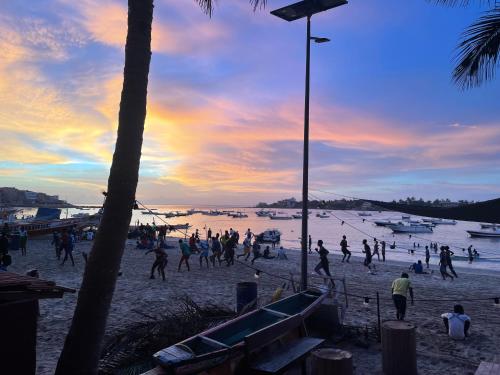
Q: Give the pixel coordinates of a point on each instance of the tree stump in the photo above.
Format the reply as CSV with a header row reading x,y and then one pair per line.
x,y
399,351
329,361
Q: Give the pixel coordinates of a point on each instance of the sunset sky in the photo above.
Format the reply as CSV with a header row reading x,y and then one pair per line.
x,y
226,97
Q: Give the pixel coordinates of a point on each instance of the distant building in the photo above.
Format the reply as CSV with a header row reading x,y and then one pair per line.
x,y
31,196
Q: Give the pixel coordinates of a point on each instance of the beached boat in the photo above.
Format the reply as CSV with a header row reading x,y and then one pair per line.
x,y
269,235
409,228
226,342
487,233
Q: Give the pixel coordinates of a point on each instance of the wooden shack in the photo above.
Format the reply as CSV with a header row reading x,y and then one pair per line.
x,y
19,295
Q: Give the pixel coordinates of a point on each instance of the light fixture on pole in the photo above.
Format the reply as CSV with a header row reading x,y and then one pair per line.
x,y
306,8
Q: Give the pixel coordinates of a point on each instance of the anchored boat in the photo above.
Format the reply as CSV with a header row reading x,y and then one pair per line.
x,y
409,228
226,342
492,233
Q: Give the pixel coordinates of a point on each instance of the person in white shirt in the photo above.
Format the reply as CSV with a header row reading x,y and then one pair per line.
x,y
457,323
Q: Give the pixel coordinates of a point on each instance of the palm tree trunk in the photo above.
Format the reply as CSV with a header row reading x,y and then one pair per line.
x,y
82,347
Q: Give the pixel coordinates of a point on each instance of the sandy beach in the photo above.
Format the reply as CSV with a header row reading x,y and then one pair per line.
x,y
136,295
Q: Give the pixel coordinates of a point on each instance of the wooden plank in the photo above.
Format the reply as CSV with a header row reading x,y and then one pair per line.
x,y
271,333
276,361
218,344
488,368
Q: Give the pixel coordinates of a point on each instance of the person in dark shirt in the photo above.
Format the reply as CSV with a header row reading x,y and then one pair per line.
x,y
4,244
310,244
383,250
323,260
160,262
449,253
368,256
256,251
267,254
216,250
427,256
443,263
345,251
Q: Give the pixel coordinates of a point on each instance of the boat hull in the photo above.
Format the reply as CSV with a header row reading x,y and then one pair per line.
x,y
485,234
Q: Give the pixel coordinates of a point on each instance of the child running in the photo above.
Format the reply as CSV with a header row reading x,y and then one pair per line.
x,y
343,248
368,256
323,263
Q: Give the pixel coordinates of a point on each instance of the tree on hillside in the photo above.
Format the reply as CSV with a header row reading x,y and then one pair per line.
x,y
479,49
82,348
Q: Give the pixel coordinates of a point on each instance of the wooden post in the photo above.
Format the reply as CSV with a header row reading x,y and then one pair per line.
x,y
399,352
329,361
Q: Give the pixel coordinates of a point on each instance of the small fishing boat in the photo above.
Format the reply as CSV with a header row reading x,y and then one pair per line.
x,y
491,233
440,221
322,215
226,342
489,226
238,215
409,228
364,214
383,223
269,235
263,213
280,217
179,226
298,215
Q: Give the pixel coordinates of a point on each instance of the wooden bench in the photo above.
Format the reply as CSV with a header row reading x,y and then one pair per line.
x,y
287,354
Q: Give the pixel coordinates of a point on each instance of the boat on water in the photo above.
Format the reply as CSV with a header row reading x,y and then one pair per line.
x,y
179,226
405,227
263,213
280,217
225,343
212,213
383,223
364,214
269,235
298,215
440,221
238,215
148,213
489,226
322,215
487,233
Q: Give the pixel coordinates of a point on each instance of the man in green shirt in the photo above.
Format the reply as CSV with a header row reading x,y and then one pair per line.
x,y
400,288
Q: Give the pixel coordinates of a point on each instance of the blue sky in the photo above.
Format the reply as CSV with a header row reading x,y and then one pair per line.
x,y
225,103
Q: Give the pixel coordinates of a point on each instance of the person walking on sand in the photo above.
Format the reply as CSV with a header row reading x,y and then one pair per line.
x,y
23,240
427,256
449,253
216,250
400,288
345,251
383,250
310,244
247,247
203,246
209,234
323,260
368,256
256,251
375,249
471,256
443,263
160,262
186,253
67,244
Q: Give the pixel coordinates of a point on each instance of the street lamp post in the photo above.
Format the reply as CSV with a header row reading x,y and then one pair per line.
x,y
306,8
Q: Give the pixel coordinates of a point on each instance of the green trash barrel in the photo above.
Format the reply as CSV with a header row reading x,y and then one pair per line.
x,y
246,294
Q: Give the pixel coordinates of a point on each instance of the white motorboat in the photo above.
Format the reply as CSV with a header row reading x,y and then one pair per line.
x,y
280,217
409,228
298,215
238,215
487,233
489,226
269,235
322,215
263,213
440,221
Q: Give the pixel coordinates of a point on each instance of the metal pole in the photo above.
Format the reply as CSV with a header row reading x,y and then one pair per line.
x,y
305,167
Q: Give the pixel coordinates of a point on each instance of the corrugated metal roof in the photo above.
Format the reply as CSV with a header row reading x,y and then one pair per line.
x,y
17,287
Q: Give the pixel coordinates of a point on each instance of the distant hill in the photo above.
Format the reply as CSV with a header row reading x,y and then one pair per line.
x,y
12,197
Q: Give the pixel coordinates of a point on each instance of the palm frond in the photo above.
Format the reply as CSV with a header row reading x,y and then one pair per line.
x,y
462,3
479,51
208,5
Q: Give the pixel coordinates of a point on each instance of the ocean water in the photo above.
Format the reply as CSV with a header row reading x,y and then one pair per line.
x,y
330,230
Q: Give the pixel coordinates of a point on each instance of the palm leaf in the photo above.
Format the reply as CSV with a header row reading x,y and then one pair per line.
x,y
208,5
463,3
479,51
